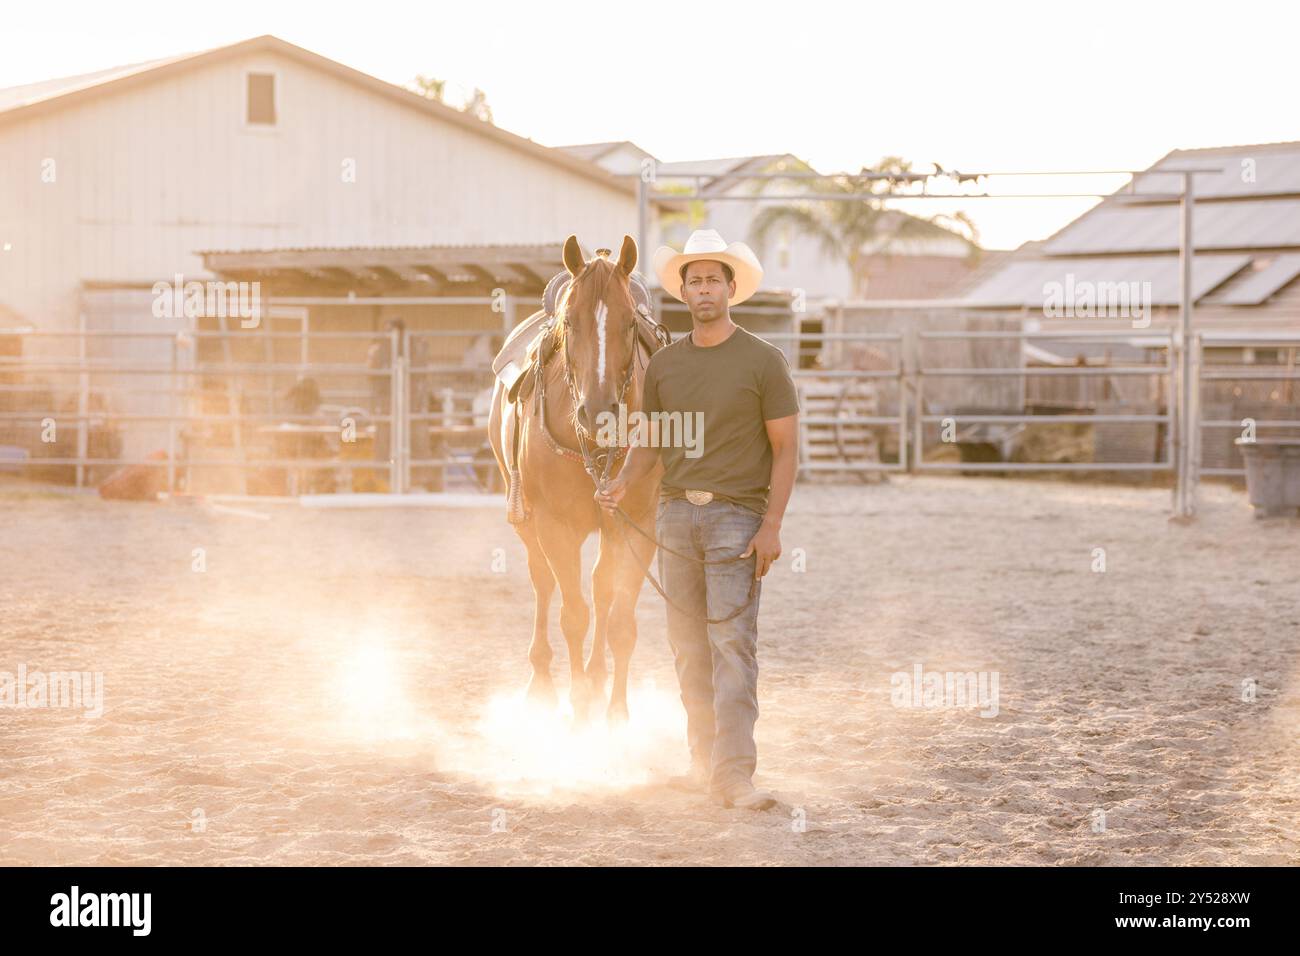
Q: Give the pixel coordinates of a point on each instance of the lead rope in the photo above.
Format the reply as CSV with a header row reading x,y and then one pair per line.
x,y
645,570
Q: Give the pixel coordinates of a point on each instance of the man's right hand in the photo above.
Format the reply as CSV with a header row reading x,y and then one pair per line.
x,y
614,491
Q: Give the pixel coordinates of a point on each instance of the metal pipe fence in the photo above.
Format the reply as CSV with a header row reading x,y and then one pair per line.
x,y
830,436
1209,374
952,419
416,418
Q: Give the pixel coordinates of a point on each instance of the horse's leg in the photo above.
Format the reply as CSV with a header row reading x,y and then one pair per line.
x,y
628,578
563,549
602,594
540,688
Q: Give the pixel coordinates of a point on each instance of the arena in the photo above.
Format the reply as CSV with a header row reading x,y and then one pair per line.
x,y
289,685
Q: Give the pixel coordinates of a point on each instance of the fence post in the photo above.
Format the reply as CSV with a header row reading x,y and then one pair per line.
x,y
234,402
1184,496
1166,383
404,449
1194,425
901,392
83,400
171,423
395,416
909,360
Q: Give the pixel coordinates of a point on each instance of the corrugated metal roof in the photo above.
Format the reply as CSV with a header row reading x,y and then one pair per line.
x,y
13,96
1262,283
1268,169
1125,227
595,152
589,151
1021,284
1251,205
710,167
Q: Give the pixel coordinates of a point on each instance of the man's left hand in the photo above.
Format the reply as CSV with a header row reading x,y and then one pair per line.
x,y
767,545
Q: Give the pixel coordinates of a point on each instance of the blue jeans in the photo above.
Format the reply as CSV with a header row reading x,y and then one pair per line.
x,y
717,664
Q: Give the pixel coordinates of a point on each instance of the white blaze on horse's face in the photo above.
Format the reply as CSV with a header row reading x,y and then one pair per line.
x,y
602,314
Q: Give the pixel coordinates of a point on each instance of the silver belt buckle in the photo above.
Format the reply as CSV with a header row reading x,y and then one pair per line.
x,y
699,497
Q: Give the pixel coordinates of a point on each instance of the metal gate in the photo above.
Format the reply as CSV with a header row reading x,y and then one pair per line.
x,y
1003,428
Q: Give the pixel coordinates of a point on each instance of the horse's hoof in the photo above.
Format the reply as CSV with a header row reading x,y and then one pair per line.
x,y
581,711
541,693
617,713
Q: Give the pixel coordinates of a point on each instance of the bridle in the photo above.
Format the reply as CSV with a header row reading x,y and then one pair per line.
x,y
597,464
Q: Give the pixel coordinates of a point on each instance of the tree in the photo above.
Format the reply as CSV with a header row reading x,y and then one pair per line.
x,y
435,89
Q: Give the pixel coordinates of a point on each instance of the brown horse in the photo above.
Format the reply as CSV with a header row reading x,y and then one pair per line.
x,y
594,362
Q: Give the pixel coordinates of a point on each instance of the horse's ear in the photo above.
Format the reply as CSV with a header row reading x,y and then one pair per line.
x,y
573,260
627,256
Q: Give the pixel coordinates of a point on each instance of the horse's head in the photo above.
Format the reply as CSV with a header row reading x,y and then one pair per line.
x,y
598,331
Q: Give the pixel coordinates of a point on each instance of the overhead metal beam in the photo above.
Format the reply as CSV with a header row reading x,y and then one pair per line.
x,y
527,273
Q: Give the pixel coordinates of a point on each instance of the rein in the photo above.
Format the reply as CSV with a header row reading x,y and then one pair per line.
x,y
753,585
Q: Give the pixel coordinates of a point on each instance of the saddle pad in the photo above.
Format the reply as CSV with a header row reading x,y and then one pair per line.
x,y
519,342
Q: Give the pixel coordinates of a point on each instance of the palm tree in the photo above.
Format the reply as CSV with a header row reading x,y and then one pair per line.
x,y
690,214
852,231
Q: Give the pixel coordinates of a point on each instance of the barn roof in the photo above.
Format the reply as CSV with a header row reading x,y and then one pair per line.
x,y
13,97
19,102
593,152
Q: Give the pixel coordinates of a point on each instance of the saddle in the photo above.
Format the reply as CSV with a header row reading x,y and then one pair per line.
x,y
524,356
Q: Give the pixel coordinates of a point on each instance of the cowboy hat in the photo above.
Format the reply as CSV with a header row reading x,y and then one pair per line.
x,y
707,244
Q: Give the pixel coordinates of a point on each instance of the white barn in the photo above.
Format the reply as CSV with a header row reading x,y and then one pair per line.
x,y
259,161
118,178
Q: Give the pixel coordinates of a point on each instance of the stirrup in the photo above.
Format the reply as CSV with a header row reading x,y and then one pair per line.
x,y
515,512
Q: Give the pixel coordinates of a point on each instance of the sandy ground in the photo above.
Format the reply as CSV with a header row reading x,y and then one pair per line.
x,y
343,688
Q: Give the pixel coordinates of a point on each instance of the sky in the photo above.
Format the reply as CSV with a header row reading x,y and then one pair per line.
x,y
998,86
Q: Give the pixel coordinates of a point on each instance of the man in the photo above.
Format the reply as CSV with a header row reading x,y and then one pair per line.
x,y
715,503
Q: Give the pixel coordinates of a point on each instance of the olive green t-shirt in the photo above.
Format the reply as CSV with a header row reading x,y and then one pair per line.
x,y
737,385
